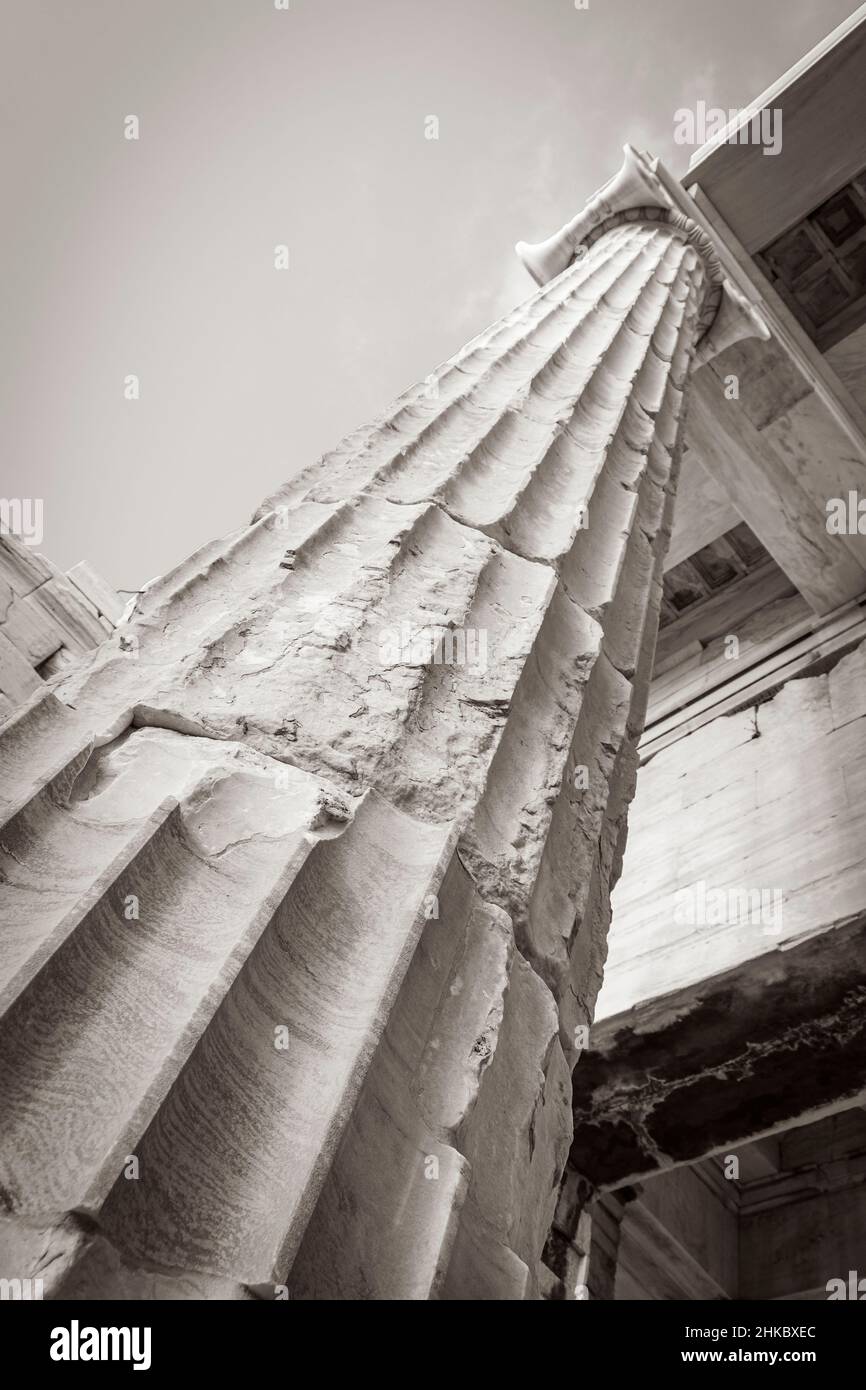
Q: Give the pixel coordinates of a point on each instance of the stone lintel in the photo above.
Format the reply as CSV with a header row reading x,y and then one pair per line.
x,y
722,1062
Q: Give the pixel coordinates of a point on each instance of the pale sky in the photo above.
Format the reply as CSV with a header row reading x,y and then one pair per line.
x,y
261,127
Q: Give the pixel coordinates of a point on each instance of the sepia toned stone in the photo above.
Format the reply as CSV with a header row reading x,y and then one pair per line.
x,y
308,897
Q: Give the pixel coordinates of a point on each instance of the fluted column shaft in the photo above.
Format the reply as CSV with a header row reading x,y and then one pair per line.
x,y
309,867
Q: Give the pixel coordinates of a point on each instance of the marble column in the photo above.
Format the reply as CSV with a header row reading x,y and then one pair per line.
x,y
308,866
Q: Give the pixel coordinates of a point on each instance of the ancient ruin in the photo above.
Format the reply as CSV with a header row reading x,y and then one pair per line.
x,y
308,855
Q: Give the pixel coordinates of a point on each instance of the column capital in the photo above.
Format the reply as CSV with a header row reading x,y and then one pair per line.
x,y
643,190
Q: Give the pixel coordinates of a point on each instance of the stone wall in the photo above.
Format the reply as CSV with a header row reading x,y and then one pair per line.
x,y
754,828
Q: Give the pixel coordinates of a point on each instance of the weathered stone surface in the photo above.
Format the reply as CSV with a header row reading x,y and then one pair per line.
x,y
47,619
745,1012
74,1261
362,771
773,776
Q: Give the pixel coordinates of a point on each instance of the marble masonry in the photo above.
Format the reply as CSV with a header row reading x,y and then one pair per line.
x,y
308,855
